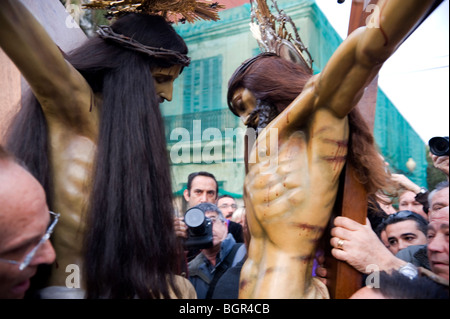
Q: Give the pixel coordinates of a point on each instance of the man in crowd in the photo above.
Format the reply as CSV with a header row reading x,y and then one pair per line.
x,y
411,196
25,225
438,245
202,187
408,201
208,266
418,254
228,206
405,228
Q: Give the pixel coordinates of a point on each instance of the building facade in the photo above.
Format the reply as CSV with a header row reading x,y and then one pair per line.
x,y
201,132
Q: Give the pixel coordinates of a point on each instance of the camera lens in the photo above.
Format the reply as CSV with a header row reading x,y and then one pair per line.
x,y
439,146
194,217
199,229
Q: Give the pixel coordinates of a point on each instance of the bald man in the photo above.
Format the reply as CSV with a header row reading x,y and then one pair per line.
x,y
25,225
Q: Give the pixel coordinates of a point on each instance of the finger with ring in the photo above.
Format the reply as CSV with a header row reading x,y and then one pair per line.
x,y
340,244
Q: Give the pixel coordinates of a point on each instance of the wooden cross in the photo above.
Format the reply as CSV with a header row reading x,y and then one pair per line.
x,y
343,280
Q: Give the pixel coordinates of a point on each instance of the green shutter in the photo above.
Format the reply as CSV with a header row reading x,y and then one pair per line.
x,y
203,85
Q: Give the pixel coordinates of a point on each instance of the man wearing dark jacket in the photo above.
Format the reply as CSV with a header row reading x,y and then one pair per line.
x,y
208,266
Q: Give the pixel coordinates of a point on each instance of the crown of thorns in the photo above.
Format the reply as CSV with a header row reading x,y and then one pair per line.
x,y
173,57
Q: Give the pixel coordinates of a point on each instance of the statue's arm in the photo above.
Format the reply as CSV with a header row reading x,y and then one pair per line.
x,y
359,58
61,90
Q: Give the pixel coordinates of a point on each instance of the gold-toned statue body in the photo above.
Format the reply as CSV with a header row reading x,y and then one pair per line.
x,y
72,114
289,203
295,163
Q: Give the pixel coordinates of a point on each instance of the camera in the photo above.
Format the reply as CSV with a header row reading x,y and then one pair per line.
x,y
199,229
439,145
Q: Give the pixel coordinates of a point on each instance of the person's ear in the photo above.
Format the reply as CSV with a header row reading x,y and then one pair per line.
x,y
186,195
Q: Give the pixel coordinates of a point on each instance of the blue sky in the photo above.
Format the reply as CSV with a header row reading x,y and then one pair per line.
x,y
416,77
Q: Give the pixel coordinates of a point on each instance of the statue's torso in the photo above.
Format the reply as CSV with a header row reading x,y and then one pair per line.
x,y
289,198
72,158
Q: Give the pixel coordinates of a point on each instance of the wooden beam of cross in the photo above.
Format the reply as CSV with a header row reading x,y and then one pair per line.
x,y
343,279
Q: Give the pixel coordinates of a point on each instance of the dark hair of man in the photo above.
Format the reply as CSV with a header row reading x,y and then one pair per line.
x,y
225,196
201,173
397,286
130,245
208,207
282,85
440,186
404,215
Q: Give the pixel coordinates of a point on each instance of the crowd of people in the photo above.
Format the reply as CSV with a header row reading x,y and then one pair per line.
x,y
92,155
411,240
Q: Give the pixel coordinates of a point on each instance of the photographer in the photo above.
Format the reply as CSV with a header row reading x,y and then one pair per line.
x,y
414,195
207,267
439,151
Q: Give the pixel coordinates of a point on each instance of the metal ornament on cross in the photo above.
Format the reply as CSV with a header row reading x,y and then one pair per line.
x,y
271,32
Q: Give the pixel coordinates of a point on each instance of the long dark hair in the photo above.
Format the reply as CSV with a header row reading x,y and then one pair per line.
x,y
279,87
282,85
130,245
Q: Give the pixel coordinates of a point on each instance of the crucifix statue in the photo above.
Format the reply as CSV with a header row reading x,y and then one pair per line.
x,y
307,129
91,132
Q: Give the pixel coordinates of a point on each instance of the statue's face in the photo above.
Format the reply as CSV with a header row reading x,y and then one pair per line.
x,y
164,78
244,102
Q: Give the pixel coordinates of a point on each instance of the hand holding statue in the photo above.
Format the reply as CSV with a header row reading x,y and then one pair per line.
x,y
359,246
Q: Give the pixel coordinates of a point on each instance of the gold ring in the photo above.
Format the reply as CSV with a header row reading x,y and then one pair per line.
x,y
340,244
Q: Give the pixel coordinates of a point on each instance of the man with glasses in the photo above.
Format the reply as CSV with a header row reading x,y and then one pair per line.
x,y
25,227
228,206
208,266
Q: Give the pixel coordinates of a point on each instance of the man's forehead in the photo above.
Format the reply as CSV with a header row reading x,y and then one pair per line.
x,y
226,199
408,195
203,182
211,214
441,196
408,223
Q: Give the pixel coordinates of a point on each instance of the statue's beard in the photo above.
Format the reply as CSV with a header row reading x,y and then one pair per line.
x,y
261,116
